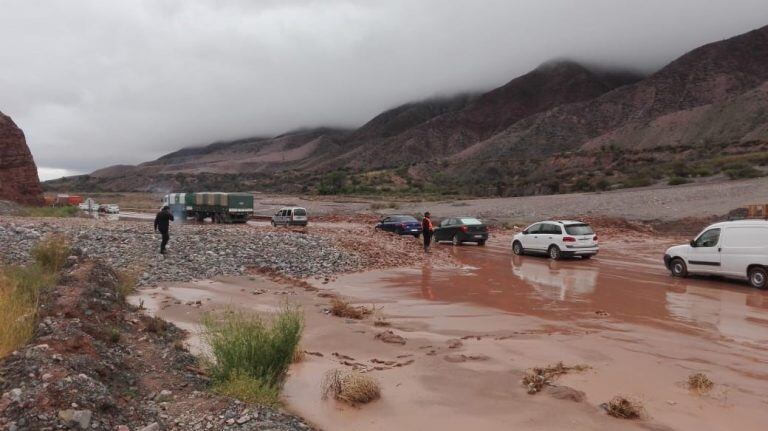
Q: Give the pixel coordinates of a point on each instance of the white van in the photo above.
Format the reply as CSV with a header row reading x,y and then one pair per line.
x,y
737,249
290,216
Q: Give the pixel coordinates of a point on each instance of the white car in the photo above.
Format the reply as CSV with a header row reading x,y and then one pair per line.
x,y
112,209
557,239
737,249
290,216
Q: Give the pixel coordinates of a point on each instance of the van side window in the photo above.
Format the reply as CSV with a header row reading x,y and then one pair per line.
x,y
708,238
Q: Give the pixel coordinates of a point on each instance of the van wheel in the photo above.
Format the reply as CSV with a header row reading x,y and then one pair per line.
x,y
758,277
554,252
677,268
517,248
455,240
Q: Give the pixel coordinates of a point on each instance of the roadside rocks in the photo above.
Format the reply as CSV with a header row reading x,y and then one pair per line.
x,y
195,251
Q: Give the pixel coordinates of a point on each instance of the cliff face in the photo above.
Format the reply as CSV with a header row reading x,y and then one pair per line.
x,y
18,174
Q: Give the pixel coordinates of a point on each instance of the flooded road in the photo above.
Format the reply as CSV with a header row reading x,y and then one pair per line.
x,y
641,332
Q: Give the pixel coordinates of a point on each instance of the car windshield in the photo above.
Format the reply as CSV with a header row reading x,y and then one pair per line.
x,y
470,221
579,229
300,212
404,219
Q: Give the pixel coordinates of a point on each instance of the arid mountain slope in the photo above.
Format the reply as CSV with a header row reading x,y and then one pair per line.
x,y
561,127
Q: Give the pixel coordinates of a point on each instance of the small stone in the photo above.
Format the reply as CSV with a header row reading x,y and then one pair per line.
x,y
80,418
243,419
123,428
47,376
164,395
154,426
14,395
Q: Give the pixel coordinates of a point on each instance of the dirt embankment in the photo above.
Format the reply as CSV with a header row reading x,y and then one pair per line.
x,y
97,363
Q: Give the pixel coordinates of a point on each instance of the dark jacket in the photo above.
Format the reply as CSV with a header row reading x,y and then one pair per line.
x,y
162,220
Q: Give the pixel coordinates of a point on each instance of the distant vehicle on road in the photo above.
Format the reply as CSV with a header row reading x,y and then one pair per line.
x,y
89,205
220,207
736,249
557,239
401,225
110,209
290,216
459,230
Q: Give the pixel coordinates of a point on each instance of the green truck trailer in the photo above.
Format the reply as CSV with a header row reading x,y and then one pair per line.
x,y
220,207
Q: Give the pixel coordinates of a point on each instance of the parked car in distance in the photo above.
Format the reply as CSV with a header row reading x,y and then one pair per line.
x,y
290,216
735,249
401,225
557,239
461,229
111,209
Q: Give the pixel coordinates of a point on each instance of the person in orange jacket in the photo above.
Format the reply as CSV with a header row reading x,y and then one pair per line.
x,y
427,229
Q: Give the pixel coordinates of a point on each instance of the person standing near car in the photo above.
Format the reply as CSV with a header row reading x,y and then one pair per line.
x,y
163,220
427,230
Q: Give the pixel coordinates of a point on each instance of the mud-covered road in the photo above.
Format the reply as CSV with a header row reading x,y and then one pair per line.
x,y
641,332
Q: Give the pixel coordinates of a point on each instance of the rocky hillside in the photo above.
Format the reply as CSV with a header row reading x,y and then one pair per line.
x,y
18,173
561,127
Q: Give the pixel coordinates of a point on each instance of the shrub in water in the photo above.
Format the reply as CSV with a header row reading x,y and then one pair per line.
x,y
245,345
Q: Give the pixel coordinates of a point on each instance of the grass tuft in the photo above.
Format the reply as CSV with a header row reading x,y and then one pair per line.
x,y
126,285
51,253
624,408
249,389
20,289
351,387
538,377
247,351
699,382
59,212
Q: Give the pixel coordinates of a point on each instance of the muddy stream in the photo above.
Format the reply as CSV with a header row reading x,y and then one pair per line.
x,y
641,332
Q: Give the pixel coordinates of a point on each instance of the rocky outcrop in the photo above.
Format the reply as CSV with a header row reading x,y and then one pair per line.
x,y
18,174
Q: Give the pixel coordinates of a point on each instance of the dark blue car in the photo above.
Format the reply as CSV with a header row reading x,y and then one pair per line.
x,y
401,225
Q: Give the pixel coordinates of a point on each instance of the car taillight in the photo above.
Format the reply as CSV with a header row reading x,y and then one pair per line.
x,y
594,238
569,239
464,229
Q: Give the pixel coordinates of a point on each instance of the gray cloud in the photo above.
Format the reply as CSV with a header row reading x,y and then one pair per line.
x,y
94,83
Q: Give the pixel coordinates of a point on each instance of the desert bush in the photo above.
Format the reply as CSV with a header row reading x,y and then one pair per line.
x,y
538,377
51,253
699,382
351,387
341,308
676,181
624,408
741,170
245,345
126,284
20,289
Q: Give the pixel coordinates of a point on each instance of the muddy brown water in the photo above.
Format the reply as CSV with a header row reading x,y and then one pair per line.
x,y
641,332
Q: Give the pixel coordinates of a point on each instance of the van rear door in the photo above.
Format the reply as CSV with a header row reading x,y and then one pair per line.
x,y
744,246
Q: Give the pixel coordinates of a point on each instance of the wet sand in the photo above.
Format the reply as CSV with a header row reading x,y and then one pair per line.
x,y
640,330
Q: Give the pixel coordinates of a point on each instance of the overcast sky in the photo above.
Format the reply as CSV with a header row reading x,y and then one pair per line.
x,y
95,82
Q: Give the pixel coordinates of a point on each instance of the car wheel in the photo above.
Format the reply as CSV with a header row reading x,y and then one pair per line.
x,y
554,252
399,231
455,240
517,248
677,268
481,243
273,223
758,277
417,235
586,256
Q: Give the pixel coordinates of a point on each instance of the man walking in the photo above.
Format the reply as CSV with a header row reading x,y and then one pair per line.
x,y
162,222
427,230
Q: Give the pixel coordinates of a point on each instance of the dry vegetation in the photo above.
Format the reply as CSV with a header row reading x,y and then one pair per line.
x,y
699,382
341,308
538,377
351,387
624,408
20,290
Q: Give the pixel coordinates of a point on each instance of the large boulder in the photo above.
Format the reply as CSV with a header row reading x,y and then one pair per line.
x,y
18,174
